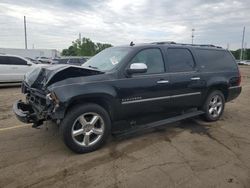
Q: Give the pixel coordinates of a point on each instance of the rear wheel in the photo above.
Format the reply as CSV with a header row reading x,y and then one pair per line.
x,y
214,106
85,128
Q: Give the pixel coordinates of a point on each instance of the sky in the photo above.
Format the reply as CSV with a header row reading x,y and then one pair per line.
x,y
54,24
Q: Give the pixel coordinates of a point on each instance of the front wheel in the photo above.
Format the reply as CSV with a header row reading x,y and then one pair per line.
x,y
85,128
214,106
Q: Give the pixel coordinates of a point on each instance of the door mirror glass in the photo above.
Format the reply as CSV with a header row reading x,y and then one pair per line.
x,y
137,68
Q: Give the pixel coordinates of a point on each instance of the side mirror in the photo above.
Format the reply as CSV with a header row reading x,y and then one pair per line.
x,y
137,68
29,64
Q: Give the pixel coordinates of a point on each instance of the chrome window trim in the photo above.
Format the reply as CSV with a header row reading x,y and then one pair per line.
x,y
160,98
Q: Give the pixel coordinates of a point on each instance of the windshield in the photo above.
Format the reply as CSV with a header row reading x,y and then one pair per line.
x,y
107,59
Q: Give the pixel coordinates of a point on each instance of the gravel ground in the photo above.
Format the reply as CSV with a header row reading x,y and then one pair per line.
x,y
190,153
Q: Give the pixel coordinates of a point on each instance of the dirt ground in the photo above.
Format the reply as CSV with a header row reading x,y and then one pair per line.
x,y
186,154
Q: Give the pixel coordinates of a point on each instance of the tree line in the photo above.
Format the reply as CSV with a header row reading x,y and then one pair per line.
x,y
246,54
84,47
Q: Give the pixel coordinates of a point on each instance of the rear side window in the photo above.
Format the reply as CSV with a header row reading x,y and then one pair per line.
x,y
215,60
16,61
180,60
4,60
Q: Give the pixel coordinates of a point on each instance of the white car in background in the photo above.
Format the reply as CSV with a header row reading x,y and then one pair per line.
x,y
13,68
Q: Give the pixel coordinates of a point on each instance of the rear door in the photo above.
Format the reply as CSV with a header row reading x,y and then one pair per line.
x,y
184,78
5,70
18,68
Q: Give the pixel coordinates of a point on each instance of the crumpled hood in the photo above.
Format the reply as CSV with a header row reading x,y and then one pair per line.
x,y
44,76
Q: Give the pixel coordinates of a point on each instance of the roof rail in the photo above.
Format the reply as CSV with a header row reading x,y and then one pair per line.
x,y
198,45
164,42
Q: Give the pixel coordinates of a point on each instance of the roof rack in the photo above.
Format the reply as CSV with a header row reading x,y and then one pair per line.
x,y
164,42
198,45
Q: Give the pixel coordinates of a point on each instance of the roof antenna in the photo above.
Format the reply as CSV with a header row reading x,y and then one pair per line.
x,y
131,43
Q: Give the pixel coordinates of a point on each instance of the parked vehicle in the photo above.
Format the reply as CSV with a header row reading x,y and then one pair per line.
x,y
245,62
33,60
70,60
44,60
13,68
129,88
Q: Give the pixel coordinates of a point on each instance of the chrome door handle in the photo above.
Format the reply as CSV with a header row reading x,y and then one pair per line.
x,y
195,78
162,82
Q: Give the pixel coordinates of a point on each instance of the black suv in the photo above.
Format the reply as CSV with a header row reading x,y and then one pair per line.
x,y
128,88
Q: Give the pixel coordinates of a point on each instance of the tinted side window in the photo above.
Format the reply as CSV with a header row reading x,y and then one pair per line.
x,y
83,60
63,61
180,60
4,60
152,58
215,60
16,61
74,61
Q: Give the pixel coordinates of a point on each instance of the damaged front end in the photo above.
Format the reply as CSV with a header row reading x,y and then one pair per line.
x,y
37,108
42,104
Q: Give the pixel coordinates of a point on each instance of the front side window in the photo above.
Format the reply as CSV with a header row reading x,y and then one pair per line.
x,y
107,59
152,58
180,60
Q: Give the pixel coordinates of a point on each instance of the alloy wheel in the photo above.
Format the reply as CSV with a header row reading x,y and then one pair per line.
x,y
215,106
88,129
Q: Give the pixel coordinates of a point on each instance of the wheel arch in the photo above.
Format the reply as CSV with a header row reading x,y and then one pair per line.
x,y
223,87
106,102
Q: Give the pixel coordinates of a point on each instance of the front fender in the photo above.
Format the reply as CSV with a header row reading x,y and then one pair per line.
x,y
68,94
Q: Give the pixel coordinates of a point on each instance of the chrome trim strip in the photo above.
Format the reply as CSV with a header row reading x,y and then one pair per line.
x,y
186,94
195,78
160,98
234,87
162,82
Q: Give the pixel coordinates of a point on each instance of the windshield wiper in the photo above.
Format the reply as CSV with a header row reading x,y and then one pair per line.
x,y
93,67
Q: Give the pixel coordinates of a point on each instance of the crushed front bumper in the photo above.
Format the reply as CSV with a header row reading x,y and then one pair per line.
x,y
24,112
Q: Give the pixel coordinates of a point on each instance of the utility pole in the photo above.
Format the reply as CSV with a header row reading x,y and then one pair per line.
x,y
80,38
242,43
25,33
192,36
245,51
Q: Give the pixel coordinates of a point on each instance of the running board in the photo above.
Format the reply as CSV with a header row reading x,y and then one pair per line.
x,y
159,123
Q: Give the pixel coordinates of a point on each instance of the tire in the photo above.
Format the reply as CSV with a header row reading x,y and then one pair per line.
x,y
85,128
214,106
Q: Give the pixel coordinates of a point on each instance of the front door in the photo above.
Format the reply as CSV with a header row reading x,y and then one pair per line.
x,y
145,92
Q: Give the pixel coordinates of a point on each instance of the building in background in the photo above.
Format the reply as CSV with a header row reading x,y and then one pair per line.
x,y
31,53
